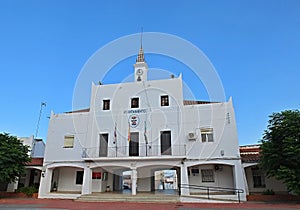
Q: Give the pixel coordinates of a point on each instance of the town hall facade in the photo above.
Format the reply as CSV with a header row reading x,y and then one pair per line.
x,y
142,127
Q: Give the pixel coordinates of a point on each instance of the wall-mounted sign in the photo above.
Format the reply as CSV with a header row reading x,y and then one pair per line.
x,y
135,111
134,120
96,175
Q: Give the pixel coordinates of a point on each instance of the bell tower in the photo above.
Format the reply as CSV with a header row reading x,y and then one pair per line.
x,y
140,67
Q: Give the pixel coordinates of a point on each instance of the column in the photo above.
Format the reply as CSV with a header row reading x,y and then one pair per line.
x,y
45,184
134,181
184,179
87,181
245,179
239,179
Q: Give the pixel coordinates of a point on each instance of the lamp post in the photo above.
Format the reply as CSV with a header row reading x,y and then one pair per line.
x,y
37,127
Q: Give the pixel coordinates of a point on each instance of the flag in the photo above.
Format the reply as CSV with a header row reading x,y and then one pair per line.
x,y
128,132
145,133
115,133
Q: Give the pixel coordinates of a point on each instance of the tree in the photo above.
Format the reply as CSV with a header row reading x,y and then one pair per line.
x,y
281,149
13,157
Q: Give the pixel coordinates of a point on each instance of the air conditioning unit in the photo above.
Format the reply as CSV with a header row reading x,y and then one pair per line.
x,y
192,136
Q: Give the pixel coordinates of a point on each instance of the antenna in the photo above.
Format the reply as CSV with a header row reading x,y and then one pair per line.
x,y
141,37
37,128
38,124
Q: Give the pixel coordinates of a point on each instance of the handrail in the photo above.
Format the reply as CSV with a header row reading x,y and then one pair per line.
x,y
213,188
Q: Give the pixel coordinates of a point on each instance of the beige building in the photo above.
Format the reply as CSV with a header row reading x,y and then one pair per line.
x,y
257,181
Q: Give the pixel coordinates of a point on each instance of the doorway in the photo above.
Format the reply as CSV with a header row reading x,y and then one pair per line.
x,y
127,182
134,144
103,145
165,181
165,143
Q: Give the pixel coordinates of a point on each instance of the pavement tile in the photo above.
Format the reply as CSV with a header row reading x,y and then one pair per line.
x,y
63,204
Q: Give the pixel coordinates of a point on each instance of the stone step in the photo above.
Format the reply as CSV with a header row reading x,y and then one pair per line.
x,y
128,198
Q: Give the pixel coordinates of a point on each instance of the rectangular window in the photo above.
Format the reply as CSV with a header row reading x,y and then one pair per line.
x,y
165,143
69,141
207,175
258,178
207,135
164,100
135,103
79,177
103,145
106,104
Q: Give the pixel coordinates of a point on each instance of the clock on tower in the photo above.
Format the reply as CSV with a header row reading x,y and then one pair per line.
x,y
140,67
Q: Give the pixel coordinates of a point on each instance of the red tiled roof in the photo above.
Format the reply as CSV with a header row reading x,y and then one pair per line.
x,y
250,153
36,162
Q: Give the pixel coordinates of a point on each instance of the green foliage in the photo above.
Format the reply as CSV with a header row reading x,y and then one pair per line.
x,y
281,149
268,192
13,157
28,190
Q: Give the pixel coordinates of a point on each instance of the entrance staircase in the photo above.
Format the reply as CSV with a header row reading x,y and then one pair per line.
x,y
119,197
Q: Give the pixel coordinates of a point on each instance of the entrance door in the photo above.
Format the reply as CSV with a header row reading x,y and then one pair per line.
x,y
165,143
103,145
134,144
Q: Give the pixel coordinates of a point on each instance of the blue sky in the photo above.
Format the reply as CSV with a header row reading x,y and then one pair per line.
x,y
253,44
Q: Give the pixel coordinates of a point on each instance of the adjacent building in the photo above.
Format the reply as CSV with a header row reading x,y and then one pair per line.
x,y
34,168
257,181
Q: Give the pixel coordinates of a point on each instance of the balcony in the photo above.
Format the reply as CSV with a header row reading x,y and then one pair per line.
x,y
138,151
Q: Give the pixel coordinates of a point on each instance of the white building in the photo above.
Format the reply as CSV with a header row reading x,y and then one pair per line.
x,y
33,169
88,150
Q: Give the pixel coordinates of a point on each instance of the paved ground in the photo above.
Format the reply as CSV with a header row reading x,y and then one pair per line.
x,y
56,204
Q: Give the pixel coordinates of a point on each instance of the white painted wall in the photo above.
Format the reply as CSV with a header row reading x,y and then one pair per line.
x,y
59,126
144,180
67,179
144,184
180,119
109,182
157,118
224,131
223,178
26,140
177,118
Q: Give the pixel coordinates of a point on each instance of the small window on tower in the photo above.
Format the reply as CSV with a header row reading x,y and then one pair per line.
x,y
106,104
135,103
164,100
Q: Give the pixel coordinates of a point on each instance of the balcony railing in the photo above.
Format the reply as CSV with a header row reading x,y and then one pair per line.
x,y
139,151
